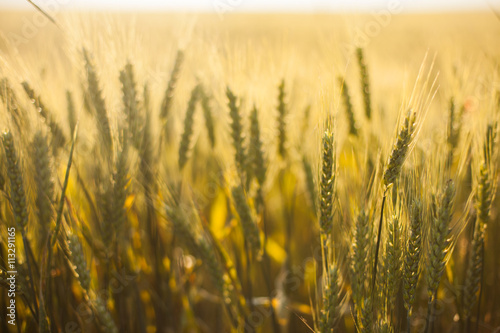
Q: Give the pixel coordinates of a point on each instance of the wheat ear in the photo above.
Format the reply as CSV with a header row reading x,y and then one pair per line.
x,y
439,245
346,98
236,133
327,182
331,300
185,145
282,111
44,183
131,104
166,104
412,256
359,256
365,85
248,225
209,119
98,104
58,137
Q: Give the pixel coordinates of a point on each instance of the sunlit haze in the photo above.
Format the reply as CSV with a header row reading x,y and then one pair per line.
x,y
257,5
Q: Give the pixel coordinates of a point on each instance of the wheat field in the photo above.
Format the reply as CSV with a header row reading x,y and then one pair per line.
x,y
189,172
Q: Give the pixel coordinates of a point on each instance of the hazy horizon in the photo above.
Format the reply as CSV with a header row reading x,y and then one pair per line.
x,y
306,6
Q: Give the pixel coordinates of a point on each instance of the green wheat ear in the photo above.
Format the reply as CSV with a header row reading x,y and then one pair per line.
x,y
207,114
58,137
197,245
384,326
365,316
97,102
365,85
131,104
359,256
439,239
282,111
78,262
311,185
348,107
486,189
185,145
18,199
166,104
331,300
412,256
16,112
103,315
250,228
236,133
454,128
400,150
44,183
255,149
393,259
327,182
146,155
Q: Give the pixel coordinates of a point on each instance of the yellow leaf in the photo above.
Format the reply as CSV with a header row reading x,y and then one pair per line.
x,y
275,251
129,201
218,215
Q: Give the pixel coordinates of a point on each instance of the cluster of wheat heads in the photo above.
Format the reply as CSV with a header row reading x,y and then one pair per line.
x,y
209,228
